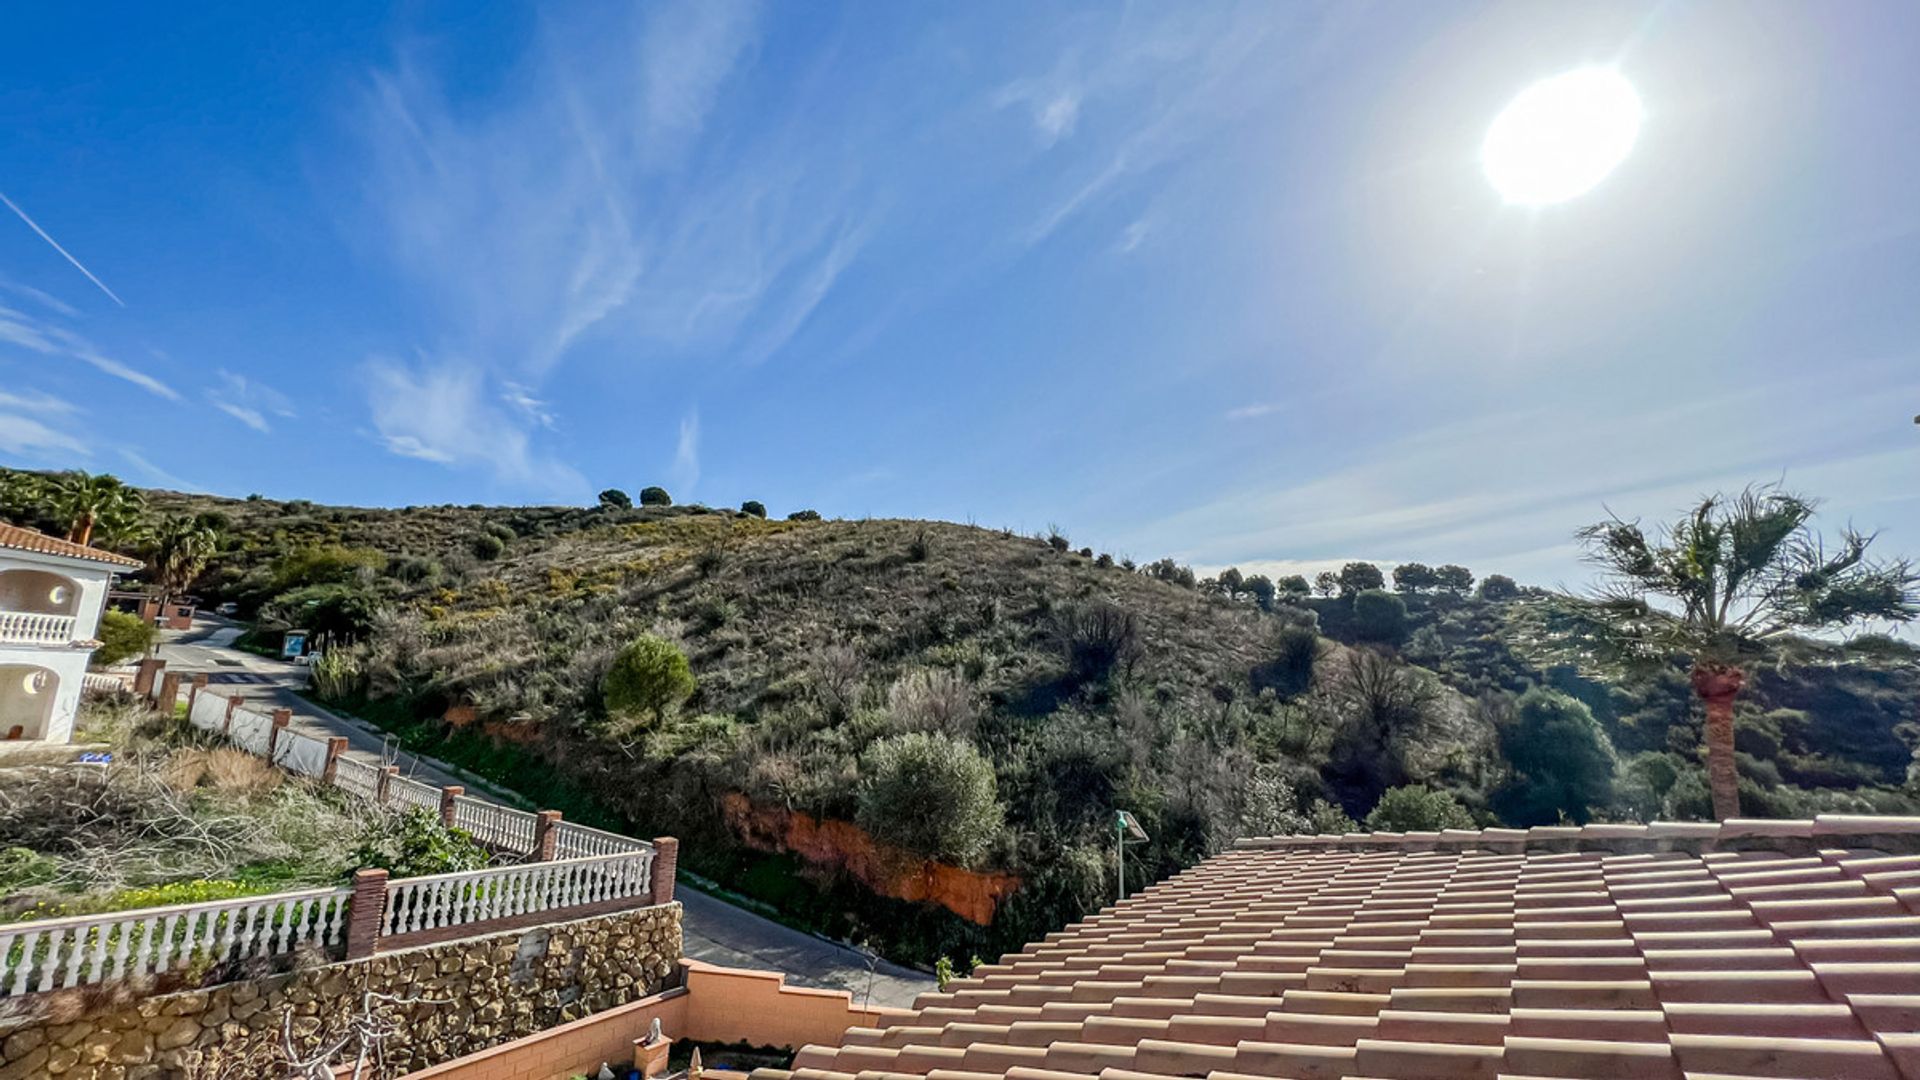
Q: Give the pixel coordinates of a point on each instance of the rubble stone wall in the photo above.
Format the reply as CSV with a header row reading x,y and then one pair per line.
x,y
465,996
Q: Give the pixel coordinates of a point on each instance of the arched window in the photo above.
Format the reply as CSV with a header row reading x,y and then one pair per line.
x,y
38,592
26,700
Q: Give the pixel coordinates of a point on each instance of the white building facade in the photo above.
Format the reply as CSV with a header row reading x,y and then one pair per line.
x,y
52,593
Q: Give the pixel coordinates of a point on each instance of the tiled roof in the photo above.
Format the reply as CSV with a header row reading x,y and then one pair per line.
x,y
18,539
1749,949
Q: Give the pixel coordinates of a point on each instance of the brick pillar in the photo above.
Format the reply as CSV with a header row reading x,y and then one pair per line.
x,y
447,795
281,718
147,673
169,695
651,1058
335,747
193,692
546,835
666,863
385,786
369,910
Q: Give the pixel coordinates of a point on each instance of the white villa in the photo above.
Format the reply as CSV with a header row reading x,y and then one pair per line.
x,y
51,594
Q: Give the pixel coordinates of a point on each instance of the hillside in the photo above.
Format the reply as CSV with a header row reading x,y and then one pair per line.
x,y
973,669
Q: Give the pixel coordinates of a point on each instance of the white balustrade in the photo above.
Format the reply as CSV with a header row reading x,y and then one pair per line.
x,y
100,682
51,954
404,792
32,628
415,905
357,777
575,841
491,823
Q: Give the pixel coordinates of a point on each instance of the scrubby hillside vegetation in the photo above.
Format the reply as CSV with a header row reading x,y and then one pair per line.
x,y
974,700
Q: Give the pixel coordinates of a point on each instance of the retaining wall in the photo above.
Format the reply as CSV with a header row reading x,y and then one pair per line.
x,y
495,989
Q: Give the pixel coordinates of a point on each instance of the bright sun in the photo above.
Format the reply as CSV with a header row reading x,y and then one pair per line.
x,y
1561,136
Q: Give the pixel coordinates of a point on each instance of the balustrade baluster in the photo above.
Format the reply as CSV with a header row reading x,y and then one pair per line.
x,y
50,968
122,945
25,970
74,956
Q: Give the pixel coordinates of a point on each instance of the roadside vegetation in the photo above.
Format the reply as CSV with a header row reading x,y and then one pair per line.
x,y
987,699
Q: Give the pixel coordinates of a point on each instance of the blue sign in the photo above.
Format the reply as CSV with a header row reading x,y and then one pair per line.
x,y
294,645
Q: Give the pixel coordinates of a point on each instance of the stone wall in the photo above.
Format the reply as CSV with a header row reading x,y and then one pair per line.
x,y
494,989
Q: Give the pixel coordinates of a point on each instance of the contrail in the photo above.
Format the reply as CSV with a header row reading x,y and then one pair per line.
x,y
35,226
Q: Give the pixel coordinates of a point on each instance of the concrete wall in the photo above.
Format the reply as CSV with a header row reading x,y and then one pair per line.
x,y
489,990
715,1004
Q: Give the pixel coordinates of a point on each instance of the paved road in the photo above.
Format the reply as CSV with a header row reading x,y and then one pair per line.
x,y
714,930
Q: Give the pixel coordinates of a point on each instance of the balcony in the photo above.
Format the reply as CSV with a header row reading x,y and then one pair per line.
x,y
33,628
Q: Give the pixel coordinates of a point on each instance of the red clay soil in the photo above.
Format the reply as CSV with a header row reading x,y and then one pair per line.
x,y
842,845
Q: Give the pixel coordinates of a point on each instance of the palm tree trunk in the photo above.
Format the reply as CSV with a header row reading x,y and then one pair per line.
x,y
1717,685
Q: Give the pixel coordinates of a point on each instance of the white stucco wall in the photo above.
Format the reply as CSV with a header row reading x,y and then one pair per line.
x,y
65,662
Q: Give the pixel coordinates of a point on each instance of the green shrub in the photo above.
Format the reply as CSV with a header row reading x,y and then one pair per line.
x,y
655,496
1380,616
414,844
1562,762
1290,671
615,499
647,678
122,637
488,547
804,515
930,795
344,611
1415,808
417,570
1098,639
754,508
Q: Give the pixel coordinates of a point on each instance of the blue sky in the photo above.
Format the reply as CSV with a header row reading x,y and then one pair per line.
x,y
1224,283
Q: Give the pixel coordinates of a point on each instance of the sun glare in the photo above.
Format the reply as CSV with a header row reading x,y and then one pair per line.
x,y
1561,136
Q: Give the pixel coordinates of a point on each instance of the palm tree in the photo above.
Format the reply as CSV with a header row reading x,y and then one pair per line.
x,y
1737,579
179,550
84,501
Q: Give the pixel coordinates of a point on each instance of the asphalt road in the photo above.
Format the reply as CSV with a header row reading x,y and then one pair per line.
x,y
713,930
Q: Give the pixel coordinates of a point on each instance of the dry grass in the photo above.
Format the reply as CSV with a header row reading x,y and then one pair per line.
x,y
223,769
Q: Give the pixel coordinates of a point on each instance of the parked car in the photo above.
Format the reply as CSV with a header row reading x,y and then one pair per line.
x,y
228,609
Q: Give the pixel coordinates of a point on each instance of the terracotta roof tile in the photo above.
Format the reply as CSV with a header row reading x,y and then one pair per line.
x,y
15,538
1670,950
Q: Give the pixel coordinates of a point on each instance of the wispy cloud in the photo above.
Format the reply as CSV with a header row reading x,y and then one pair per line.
x,y
523,402
25,429
1507,489
248,400
154,474
686,454
1134,235
446,413
64,253
1160,86
1052,104
1253,411
584,212
51,339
